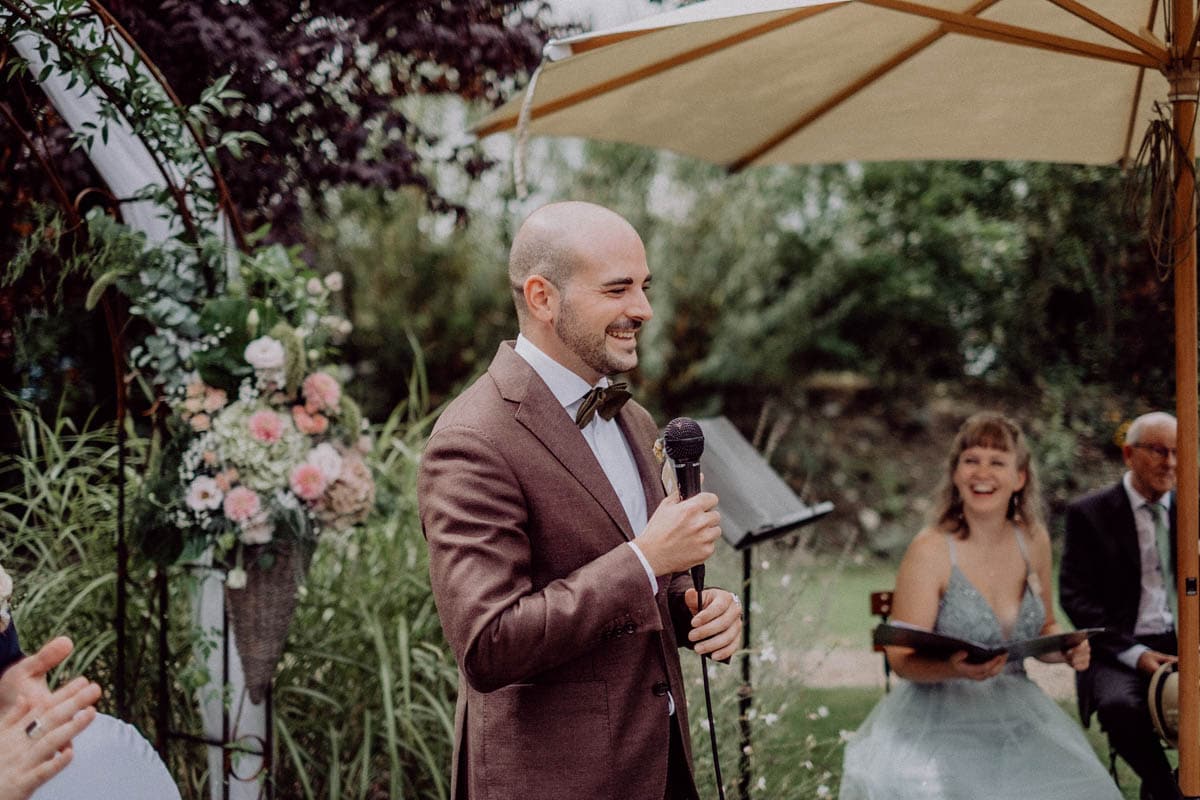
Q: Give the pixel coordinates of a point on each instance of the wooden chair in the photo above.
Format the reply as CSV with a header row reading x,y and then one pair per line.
x,y
881,606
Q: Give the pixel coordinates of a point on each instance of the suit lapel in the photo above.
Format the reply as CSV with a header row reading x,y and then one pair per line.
x,y
543,416
1124,532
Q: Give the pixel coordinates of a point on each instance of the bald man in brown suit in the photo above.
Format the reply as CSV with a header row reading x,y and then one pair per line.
x,y
558,568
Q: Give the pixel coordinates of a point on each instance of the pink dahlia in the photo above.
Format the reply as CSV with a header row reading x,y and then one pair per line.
x,y
307,481
266,426
242,504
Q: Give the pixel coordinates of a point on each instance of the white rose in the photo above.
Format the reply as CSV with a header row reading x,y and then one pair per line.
x,y
204,494
265,353
326,458
333,281
257,530
236,578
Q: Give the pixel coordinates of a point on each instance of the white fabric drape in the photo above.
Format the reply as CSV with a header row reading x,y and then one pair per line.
x,y
127,168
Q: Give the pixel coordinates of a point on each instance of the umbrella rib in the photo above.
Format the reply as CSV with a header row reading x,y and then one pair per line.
x,y
651,70
1137,96
1015,34
1105,24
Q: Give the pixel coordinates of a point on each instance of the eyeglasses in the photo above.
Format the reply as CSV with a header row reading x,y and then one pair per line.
x,y
1158,450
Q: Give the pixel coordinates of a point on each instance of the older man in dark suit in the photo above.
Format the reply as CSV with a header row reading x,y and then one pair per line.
x,y
1118,571
558,567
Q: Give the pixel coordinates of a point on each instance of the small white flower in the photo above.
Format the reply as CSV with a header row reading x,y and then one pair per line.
x,y
822,791
265,353
236,578
257,530
334,282
761,785
823,712
770,719
845,735
204,494
786,580
315,287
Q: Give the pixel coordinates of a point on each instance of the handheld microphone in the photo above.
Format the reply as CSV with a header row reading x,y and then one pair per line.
x,y
683,441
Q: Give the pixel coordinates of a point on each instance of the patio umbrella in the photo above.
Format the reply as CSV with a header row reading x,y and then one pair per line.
x,y
749,82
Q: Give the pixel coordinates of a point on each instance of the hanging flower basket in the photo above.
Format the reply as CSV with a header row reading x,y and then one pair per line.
x,y
261,611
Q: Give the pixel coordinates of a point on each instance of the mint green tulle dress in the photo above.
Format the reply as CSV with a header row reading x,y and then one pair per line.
x,y
999,739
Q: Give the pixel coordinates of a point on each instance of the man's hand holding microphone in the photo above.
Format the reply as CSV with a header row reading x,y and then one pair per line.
x,y
682,534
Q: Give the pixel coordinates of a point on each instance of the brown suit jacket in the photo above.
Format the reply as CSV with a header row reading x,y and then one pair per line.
x,y
564,654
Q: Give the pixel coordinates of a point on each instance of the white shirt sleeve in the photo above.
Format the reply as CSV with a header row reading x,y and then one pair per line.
x,y
1130,657
645,566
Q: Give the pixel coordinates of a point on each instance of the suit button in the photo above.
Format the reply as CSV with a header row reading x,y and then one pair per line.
x,y
660,688
630,627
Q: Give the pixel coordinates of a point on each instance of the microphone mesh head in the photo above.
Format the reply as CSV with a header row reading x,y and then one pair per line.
x,y
683,440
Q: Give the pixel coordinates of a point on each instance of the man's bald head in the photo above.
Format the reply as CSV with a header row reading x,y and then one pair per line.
x,y
552,241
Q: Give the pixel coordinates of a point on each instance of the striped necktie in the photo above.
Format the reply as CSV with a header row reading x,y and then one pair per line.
x,y
1162,539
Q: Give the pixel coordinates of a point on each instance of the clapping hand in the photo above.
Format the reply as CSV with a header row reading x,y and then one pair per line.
x,y
27,677
36,738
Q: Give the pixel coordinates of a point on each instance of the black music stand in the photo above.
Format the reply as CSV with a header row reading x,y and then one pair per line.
x,y
756,505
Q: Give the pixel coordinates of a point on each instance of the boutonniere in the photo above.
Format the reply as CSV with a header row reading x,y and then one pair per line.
x,y
6,587
670,484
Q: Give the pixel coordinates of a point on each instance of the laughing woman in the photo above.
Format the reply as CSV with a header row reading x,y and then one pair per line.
x,y
981,571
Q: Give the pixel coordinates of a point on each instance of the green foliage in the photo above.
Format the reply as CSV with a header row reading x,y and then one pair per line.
x,y
364,699
408,282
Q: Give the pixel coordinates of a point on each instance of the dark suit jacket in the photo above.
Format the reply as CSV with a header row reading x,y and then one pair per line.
x,y
1100,584
565,656
10,647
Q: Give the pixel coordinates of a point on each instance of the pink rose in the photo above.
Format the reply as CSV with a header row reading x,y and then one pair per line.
x,y
196,388
308,482
210,458
266,426
321,393
214,400
309,424
201,423
242,504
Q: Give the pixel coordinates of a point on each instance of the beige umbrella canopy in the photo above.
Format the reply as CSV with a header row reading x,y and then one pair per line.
x,y
748,82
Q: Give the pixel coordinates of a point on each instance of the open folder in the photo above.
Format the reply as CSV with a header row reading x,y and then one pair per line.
x,y
936,645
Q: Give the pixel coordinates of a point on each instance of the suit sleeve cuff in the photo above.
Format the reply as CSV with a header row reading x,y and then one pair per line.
x,y
646,566
1130,657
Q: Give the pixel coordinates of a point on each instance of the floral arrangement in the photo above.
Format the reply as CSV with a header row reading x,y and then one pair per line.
x,y
6,590
267,448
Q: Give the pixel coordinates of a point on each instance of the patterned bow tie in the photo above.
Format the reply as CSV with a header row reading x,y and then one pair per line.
x,y
605,400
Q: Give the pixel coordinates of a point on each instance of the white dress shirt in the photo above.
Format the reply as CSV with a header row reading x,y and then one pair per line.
x,y
1154,611
603,436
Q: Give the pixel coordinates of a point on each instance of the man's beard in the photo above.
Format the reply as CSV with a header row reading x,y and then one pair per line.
x,y
592,348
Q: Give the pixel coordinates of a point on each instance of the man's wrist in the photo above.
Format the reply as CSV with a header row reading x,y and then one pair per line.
x,y
646,566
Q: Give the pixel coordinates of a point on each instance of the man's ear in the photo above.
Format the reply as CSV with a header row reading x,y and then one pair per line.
x,y
541,298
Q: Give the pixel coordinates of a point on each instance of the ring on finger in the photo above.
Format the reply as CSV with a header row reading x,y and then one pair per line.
x,y
35,729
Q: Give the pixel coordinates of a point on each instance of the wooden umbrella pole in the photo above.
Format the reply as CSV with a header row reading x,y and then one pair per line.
x,y
1185,82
